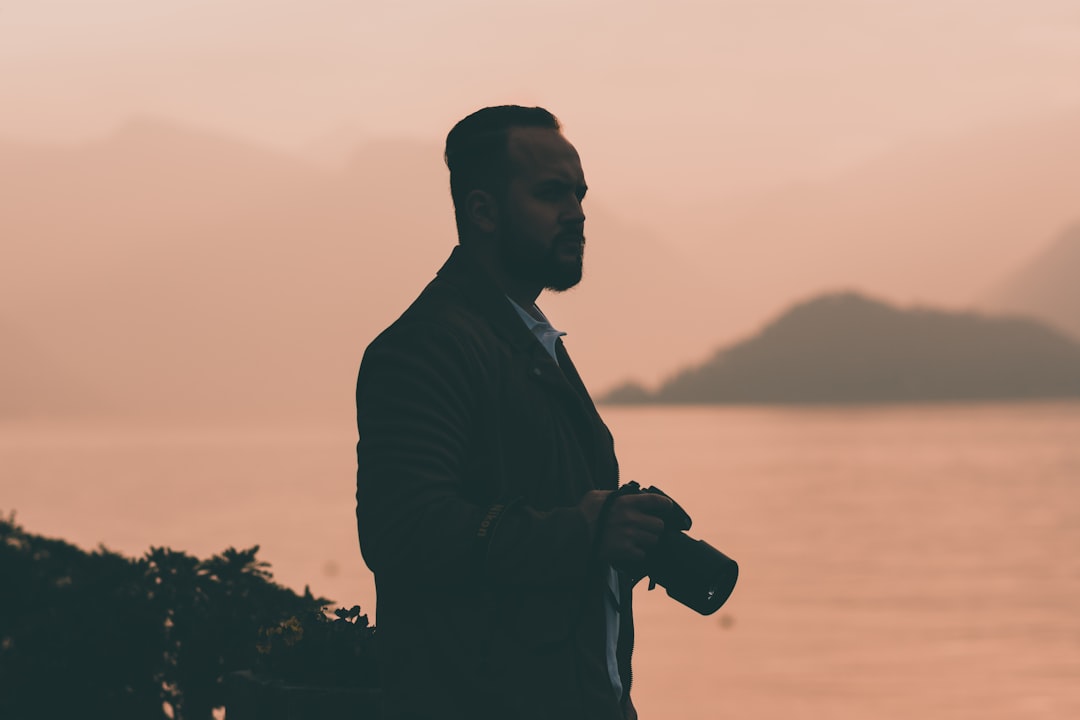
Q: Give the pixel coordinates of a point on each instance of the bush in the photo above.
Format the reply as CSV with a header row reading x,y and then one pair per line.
x,y
315,650
102,635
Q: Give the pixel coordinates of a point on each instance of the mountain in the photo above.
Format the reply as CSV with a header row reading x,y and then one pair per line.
x,y
933,220
847,348
190,275
183,274
1047,287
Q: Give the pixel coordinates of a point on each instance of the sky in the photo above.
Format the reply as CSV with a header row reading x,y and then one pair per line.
x,y
783,147
780,148
685,101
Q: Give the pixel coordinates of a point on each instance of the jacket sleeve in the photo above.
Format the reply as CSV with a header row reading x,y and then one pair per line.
x,y
417,398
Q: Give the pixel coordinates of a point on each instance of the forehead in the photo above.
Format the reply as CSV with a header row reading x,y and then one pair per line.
x,y
543,152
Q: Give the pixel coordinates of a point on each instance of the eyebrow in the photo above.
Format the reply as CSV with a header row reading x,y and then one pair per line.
x,y
559,184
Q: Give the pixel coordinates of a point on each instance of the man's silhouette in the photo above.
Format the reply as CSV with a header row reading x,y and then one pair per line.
x,y
483,464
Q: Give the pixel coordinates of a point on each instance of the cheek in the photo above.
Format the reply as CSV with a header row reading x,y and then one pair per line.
x,y
533,219
544,218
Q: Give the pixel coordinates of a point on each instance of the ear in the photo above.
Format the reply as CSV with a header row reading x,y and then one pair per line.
x,y
482,210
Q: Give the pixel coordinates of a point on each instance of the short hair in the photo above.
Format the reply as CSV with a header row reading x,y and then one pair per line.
x,y
477,154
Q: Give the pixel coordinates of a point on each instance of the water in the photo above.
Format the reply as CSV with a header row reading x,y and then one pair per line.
x,y
897,562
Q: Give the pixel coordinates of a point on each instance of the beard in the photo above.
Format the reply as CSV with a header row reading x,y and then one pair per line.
x,y
558,269
563,265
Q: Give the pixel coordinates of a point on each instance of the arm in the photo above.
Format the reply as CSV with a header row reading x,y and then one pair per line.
x,y
417,398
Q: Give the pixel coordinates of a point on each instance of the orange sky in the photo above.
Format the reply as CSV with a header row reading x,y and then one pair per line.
x,y
741,155
685,99
783,147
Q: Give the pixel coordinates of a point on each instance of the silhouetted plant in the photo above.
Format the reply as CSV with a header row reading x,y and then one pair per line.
x,y
312,649
101,635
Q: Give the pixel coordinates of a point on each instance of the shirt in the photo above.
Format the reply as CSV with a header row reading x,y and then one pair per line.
x,y
547,335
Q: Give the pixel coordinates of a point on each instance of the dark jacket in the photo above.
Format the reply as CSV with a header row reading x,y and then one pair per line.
x,y
475,448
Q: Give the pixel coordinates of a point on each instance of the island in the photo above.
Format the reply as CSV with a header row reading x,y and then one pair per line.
x,y
849,348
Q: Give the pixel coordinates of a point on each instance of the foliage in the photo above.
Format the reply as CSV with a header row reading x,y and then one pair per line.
x,y
101,635
315,650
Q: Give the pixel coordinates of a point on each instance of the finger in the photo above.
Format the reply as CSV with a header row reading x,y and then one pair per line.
x,y
629,517
644,522
635,537
650,503
646,536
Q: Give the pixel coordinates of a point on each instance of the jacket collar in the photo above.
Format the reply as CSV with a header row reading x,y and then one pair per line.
x,y
464,270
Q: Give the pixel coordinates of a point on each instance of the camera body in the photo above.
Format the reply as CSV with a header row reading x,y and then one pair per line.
x,y
691,571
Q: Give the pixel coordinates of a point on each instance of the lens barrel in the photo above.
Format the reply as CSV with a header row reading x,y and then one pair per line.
x,y
693,572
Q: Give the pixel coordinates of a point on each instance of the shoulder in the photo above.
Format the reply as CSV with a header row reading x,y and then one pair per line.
x,y
440,328
441,314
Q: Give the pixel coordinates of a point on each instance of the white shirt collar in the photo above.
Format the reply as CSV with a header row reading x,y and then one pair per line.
x,y
542,329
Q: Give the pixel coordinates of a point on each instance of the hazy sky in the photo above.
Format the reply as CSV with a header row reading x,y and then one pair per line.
x,y
918,149
701,98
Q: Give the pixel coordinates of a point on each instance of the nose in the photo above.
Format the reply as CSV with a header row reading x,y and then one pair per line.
x,y
574,213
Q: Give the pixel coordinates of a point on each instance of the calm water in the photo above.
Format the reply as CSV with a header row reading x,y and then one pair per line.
x,y
912,562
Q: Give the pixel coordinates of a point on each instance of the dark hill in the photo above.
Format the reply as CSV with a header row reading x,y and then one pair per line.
x,y
846,348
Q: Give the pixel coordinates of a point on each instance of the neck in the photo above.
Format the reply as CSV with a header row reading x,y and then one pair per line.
x,y
524,294
526,300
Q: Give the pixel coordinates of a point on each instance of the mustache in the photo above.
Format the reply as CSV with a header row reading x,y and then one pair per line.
x,y
571,236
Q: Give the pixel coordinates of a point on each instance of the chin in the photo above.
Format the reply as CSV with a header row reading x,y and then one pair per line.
x,y
564,281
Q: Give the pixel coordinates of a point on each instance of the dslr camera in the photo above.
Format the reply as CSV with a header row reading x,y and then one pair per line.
x,y
691,571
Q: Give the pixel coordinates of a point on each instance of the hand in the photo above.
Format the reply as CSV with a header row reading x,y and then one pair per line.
x,y
633,527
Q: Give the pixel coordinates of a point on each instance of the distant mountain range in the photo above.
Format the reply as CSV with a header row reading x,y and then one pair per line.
x,y
1047,288
172,272
847,348
937,220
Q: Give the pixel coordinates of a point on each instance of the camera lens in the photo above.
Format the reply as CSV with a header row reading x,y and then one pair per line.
x,y
695,573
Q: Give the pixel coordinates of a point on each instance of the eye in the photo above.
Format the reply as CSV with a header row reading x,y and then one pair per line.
x,y
551,191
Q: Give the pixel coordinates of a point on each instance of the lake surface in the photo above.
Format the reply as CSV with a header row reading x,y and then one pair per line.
x,y
896,562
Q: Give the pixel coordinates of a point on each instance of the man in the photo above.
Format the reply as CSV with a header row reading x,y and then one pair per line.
x,y
503,580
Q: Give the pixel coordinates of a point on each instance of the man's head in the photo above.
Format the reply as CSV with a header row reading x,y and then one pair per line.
x,y
517,186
